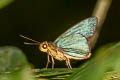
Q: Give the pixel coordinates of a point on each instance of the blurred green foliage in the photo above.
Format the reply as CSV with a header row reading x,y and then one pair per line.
x,y
4,3
13,64
11,59
107,59
57,73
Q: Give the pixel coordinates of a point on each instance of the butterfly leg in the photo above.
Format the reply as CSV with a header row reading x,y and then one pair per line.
x,y
53,62
47,61
68,63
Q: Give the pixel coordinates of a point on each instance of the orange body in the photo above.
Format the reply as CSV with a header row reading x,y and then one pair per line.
x,y
57,53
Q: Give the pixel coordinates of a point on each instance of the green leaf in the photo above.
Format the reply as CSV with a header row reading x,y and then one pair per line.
x,y
107,59
56,74
11,59
13,64
4,3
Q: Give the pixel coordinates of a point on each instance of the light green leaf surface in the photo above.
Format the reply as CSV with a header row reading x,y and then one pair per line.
x,y
4,3
56,74
13,64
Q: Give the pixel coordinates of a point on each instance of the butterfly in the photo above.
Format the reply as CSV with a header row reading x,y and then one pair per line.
x,y
72,44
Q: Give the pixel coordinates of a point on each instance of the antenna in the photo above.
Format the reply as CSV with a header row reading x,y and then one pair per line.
x,y
29,39
31,43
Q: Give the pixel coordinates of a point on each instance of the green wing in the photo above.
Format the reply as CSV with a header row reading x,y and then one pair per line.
x,y
75,45
86,27
74,40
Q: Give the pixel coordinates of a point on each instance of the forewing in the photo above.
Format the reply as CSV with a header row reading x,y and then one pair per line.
x,y
74,44
86,28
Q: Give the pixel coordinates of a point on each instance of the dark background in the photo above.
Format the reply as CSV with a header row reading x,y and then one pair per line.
x,y
47,19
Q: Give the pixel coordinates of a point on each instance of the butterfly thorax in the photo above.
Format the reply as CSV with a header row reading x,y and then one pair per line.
x,y
52,50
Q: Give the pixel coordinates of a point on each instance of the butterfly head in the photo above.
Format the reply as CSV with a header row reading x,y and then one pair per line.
x,y
44,46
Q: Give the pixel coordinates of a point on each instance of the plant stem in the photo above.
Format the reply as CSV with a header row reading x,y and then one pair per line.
x,y
100,11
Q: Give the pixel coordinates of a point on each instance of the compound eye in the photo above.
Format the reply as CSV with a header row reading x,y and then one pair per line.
x,y
44,46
